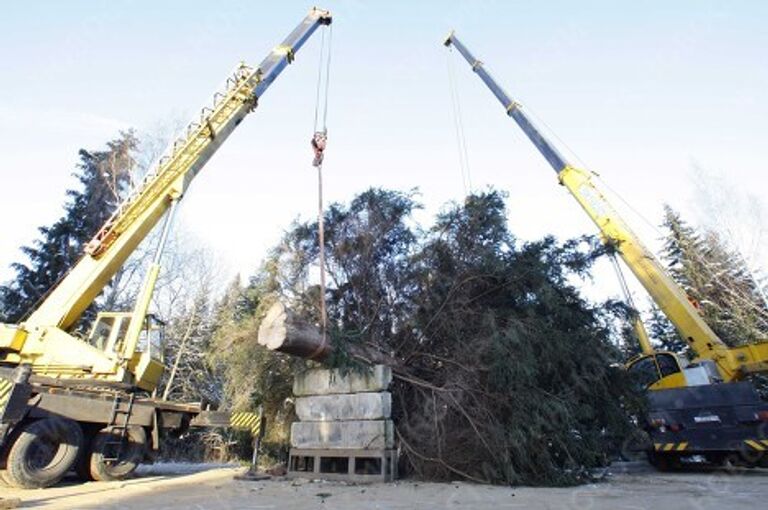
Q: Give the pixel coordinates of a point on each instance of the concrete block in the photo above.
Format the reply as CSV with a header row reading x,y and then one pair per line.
x,y
351,406
328,382
361,435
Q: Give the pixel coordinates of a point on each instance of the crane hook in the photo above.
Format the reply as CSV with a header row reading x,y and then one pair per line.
x,y
319,140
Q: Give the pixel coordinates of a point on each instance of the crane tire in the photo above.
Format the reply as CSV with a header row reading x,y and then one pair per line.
x,y
43,452
133,454
83,465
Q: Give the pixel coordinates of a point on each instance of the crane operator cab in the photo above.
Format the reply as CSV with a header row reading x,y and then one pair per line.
x,y
109,335
664,370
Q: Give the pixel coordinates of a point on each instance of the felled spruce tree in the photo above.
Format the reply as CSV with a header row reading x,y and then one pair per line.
x,y
503,372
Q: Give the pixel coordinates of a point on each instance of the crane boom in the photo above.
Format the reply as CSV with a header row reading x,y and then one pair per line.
x,y
141,211
668,295
87,395
119,346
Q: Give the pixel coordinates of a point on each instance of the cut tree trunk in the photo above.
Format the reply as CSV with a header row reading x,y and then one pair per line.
x,y
284,331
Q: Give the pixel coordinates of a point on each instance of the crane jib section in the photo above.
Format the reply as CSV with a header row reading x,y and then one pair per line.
x,y
139,213
204,135
733,363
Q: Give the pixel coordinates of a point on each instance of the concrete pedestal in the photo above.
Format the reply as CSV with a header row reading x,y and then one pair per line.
x,y
345,431
328,382
352,406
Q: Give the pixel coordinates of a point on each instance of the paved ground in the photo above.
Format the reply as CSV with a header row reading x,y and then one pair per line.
x,y
630,486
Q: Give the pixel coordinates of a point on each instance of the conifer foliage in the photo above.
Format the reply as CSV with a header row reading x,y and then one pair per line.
x,y
103,177
717,281
503,372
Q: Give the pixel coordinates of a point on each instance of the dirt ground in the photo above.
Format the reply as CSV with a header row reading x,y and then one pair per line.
x,y
627,486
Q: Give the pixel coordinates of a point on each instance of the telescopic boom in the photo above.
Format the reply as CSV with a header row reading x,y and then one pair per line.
x,y
733,363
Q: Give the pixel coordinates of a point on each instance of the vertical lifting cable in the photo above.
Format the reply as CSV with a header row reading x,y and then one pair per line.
x,y
319,79
321,243
635,319
458,125
327,78
319,140
323,82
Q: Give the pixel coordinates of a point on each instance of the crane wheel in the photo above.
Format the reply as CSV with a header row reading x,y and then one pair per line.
x,y
83,465
42,452
131,454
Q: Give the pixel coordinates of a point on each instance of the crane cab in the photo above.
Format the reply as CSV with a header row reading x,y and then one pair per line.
x,y
665,370
109,330
660,370
108,334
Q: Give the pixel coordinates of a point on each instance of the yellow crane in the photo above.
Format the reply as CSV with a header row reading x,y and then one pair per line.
x,y
698,407
83,391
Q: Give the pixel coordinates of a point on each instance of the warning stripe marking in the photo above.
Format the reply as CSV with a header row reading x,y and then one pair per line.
x,y
668,447
5,391
246,421
754,444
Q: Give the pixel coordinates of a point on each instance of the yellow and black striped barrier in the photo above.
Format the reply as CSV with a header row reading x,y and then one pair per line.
x,y
247,421
757,444
5,393
670,447
242,420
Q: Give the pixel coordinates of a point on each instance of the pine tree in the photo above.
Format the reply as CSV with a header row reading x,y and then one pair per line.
x,y
103,177
716,279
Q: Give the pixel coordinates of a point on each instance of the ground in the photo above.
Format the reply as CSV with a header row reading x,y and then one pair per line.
x,y
627,486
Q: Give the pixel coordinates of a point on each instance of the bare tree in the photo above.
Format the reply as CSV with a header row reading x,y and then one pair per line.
x,y
126,283
737,215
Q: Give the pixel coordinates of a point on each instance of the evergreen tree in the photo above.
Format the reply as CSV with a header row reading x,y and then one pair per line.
x,y
103,177
716,279
664,332
251,375
504,373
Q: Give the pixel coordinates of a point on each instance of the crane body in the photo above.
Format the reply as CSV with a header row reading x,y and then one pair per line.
x,y
43,339
85,390
680,392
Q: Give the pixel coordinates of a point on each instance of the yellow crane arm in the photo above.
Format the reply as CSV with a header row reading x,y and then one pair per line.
x,y
668,295
137,215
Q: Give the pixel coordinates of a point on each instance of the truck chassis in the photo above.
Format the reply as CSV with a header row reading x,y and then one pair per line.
x,y
108,428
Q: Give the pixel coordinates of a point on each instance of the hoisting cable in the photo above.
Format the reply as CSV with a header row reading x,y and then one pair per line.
x,y
634,319
318,142
458,124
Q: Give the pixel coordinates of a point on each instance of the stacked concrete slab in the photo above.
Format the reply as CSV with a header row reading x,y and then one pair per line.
x,y
345,430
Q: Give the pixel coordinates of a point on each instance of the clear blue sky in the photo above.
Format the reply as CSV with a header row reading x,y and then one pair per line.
x,y
639,90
